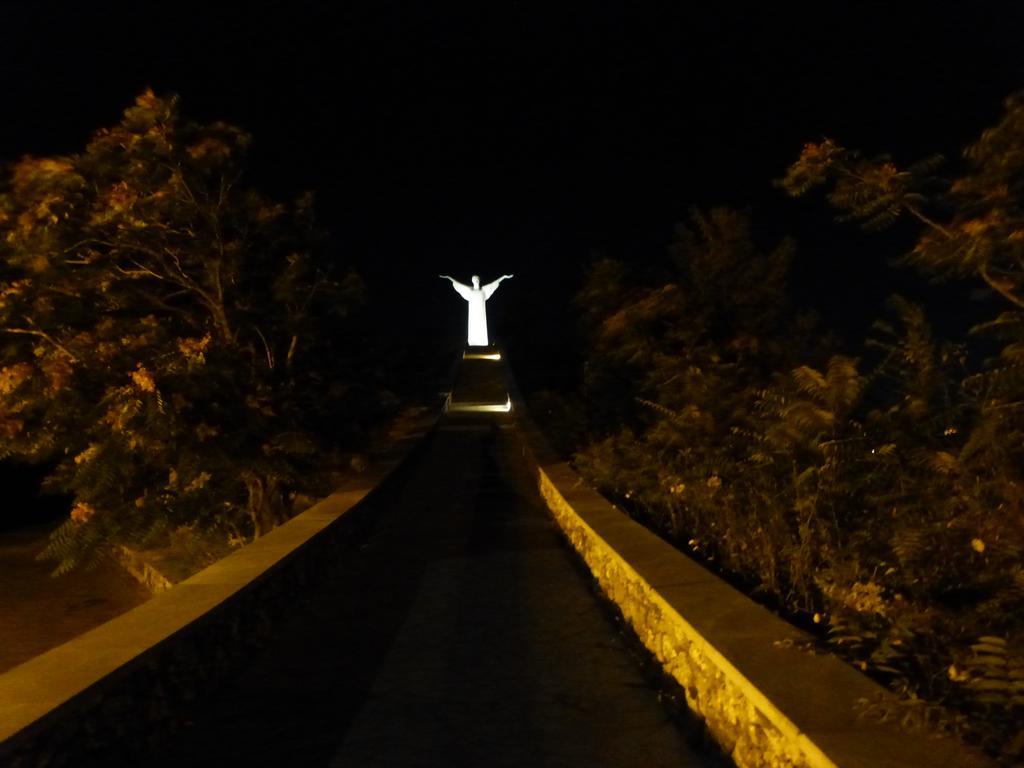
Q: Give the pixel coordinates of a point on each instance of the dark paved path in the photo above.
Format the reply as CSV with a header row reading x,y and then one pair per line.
x,y
462,633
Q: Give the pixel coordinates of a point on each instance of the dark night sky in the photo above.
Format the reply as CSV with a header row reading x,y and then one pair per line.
x,y
522,138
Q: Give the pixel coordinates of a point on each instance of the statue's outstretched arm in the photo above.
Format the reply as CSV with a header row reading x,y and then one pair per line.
x,y
490,288
461,288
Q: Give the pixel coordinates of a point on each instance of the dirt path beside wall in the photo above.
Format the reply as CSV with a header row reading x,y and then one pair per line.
x,y
38,612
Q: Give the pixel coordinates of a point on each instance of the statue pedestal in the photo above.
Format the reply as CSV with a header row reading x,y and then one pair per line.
x,y
479,385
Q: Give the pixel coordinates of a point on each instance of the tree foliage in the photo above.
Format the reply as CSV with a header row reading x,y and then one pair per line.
x,y
973,224
177,342
675,373
879,496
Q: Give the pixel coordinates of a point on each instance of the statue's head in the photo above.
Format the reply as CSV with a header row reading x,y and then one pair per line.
x,y
476,281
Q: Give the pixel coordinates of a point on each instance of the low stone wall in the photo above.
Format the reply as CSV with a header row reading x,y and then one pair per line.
x,y
110,696
764,696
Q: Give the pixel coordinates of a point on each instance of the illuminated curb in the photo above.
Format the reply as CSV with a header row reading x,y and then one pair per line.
x,y
123,681
767,701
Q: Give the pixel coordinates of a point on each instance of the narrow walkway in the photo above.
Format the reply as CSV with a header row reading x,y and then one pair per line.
x,y
462,633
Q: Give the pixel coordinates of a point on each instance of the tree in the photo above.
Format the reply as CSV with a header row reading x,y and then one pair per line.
x,y
171,337
947,442
717,295
678,361
879,498
972,225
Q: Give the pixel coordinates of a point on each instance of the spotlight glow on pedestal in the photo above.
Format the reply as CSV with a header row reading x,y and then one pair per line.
x,y
459,408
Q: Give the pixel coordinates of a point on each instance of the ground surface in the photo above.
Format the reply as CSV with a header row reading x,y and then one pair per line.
x,y
38,612
462,633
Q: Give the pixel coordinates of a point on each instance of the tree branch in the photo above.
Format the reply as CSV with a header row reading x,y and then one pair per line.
x,y
999,287
916,213
291,351
266,347
43,335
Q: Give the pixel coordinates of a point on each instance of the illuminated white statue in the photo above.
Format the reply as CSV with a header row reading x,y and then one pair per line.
x,y
476,296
